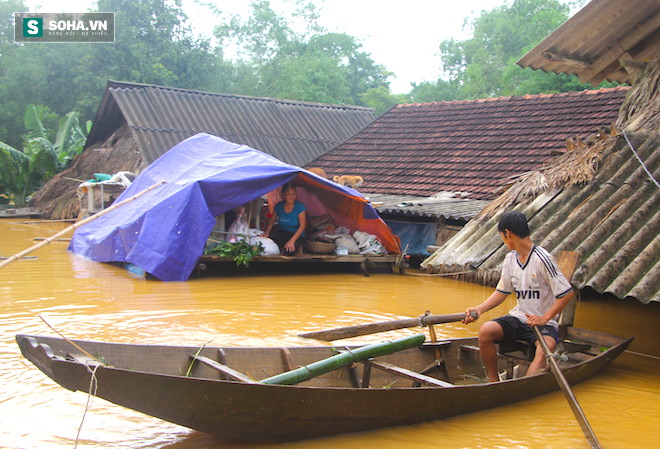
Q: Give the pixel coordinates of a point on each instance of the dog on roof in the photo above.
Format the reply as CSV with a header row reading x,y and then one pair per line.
x,y
349,181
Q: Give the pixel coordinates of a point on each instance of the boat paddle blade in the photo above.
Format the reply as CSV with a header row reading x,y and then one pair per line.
x,y
570,397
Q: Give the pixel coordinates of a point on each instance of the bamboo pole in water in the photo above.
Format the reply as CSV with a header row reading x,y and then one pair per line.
x,y
46,241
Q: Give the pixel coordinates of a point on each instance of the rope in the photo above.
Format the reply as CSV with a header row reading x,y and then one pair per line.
x,y
644,355
641,162
194,358
93,385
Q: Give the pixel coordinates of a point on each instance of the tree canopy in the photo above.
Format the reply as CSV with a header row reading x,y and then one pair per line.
x,y
485,64
310,65
268,53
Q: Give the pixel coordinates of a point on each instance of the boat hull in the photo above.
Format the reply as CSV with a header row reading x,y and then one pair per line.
x,y
260,412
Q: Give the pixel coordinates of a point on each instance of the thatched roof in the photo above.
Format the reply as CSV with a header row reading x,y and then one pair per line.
x,y
578,166
58,198
601,199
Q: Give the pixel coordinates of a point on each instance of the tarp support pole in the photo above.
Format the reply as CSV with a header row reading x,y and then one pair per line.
x,y
47,240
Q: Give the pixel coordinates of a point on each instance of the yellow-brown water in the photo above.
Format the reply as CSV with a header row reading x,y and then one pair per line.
x,y
84,299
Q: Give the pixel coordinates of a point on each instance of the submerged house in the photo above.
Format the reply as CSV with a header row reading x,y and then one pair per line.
x,y
137,123
162,221
602,197
430,168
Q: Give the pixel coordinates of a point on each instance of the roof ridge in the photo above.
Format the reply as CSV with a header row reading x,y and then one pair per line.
x,y
127,84
602,90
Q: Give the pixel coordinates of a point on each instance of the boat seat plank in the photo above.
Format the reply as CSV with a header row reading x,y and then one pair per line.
x,y
527,349
403,372
436,345
470,348
224,369
508,357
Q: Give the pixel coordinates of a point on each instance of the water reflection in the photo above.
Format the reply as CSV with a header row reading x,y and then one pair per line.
x,y
84,299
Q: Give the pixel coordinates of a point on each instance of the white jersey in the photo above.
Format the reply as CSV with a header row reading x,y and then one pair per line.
x,y
537,283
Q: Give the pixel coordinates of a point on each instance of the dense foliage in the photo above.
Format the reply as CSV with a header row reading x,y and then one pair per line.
x,y
44,153
272,56
485,65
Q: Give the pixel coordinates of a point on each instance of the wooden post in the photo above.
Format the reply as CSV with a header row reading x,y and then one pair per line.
x,y
567,261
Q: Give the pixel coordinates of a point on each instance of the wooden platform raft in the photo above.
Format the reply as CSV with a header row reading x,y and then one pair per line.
x,y
393,260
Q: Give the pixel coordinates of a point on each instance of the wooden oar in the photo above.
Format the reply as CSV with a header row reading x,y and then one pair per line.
x,y
54,237
383,326
570,397
567,261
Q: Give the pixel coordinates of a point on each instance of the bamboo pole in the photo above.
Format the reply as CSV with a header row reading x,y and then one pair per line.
x,y
48,240
73,343
344,359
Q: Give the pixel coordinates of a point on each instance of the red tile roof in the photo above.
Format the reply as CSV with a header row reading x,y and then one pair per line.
x,y
468,146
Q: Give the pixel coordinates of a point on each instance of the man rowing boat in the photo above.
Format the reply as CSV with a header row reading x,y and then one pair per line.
x,y
542,291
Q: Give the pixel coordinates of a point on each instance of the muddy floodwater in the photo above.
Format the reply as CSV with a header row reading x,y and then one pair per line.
x,y
88,300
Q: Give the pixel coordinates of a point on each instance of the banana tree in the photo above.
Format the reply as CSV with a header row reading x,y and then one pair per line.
x,y
69,139
24,171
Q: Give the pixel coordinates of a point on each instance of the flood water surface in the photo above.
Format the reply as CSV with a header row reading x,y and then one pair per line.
x,y
88,300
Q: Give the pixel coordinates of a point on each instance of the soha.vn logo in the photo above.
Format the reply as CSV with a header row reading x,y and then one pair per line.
x,y
33,27
65,27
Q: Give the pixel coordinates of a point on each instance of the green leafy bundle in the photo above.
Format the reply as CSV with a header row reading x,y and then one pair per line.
x,y
242,252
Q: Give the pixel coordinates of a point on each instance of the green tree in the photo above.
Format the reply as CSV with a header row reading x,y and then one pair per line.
x,y
44,153
311,65
485,64
154,44
434,91
11,111
381,99
501,36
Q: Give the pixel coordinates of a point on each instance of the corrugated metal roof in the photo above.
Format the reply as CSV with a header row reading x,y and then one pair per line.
x,y
613,222
160,117
447,206
607,39
468,146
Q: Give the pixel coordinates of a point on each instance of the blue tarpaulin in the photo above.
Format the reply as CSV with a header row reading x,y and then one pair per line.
x,y
165,230
415,237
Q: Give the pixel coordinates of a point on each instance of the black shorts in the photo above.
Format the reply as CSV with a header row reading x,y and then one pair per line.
x,y
514,329
280,236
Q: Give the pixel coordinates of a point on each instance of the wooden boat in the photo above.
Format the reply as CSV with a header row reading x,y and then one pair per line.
x,y
220,390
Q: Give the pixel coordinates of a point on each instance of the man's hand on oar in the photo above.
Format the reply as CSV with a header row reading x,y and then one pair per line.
x,y
471,315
